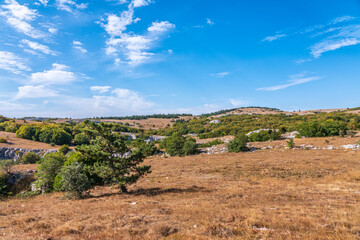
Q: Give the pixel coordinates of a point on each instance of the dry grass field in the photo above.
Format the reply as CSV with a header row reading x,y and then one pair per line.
x,y
270,194
15,142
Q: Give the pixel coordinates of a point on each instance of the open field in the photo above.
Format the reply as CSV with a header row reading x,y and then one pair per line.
x,y
271,194
15,142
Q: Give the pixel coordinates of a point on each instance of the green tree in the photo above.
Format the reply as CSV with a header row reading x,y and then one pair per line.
x,y
108,158
74,181
30,158
239,144
81,139
48,169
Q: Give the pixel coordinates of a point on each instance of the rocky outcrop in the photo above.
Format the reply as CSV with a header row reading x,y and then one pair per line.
x,y
16,153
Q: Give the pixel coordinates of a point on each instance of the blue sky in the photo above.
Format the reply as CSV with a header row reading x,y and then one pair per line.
x,y
72,58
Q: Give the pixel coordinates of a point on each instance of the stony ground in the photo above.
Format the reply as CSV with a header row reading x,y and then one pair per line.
x,y
268,194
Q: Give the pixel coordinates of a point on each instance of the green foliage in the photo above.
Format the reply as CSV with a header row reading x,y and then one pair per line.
x,y
210,144
6,165
141,117
48,169
74,181
265,135
9,126
44,133
105,161
64,149
239,144
3,187
290,143
329,127
148,148
177,145
3,140
81,139
30,158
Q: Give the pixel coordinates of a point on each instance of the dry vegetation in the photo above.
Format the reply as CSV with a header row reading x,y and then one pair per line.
x,y
15,142
292,194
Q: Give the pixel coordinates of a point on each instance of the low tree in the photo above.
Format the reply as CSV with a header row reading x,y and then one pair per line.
x,y
177,145
30,158
109,160
239,144
48,169
74,181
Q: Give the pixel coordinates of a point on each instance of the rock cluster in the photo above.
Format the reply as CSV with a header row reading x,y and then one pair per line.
x,y
16,153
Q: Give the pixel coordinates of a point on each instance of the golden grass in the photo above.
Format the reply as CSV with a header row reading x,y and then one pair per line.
x,y
293,194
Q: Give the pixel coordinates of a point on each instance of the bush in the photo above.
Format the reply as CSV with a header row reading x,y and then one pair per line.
x,y
48,169
239,144
177,145
190,148
3,140
327,128
81,139
3,186
6,165
74,181
30,158
64,149
290,143
265,135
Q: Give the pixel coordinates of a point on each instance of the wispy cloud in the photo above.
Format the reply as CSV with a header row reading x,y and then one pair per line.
x,y
236,102
37,47
342,19
100,89
79,46
13,63
209,21
273,38
19,17
70,5
294,80
332,44
220,75
29,91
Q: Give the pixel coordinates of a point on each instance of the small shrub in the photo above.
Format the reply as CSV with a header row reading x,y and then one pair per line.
x,y
6,165
74,180
351,133
48,169
290,143
64,149
210,144
30,158
52,144
239,144
3,140
190,148
3,187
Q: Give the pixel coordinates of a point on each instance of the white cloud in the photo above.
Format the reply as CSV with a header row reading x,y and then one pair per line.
x,y
236,102
30,91
100,89
332,44
209,21
116,25
44,2
11,62
19,17
140,3
79,46
342,19
59,74
52,30
294,80
163,26
273,38
220,75
69,5
132,48
37,47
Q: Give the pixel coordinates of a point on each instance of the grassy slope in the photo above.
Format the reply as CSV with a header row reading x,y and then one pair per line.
x,y
292,194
